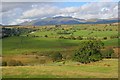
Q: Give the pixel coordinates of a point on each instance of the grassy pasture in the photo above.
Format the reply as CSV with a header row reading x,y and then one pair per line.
x,y
69,70
16,48
22,44
84,33
15,45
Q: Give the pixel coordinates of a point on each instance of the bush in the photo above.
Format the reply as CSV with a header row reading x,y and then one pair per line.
x,y
89,52
79,38
56,56
46,36
108,53
110,29
4,63
42,61
61,37
64,32
72,37
115,36
90,38
105,38
14,63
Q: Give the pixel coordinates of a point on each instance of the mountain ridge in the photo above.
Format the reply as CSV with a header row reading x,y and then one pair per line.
x,y
67,20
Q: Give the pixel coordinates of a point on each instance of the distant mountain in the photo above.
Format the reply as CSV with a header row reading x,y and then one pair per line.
x,y
101,21
55,21
67,20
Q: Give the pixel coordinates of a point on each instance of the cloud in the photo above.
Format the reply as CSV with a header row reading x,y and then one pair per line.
x,y
17,21
60,0
11,15
6,6
14,14
101,10
38,11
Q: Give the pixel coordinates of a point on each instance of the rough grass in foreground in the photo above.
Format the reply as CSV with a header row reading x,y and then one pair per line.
x,y
108,68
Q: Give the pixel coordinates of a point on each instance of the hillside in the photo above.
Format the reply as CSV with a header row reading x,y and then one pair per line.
x,y
67,20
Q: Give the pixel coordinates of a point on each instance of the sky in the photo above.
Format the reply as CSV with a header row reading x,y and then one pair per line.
x,y
13,13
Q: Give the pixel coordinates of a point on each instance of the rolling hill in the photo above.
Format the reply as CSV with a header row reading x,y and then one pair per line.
x,y
67,20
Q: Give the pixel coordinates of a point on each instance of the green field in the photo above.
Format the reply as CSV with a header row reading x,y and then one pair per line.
x,y
22,43
103,69
84,33
33,47
15,45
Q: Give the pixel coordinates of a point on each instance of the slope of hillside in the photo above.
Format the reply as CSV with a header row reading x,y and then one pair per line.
x,y
67,20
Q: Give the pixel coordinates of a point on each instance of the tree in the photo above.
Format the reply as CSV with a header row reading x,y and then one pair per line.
x,y
46,35
56,56
4,63
90,51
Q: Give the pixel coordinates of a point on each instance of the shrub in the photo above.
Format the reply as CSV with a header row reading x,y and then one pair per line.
x,y
56,56
46,35
64,32
4,63
110,29
79,38
72,37
105,38
42,61
108,53
37,57
89,52
61,37
19,63
90,38
115,36
14,63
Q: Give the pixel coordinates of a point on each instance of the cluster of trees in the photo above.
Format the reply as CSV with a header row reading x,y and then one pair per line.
x,y
111,37
7,32
72,37
89,52
64,32
77,38
92,51
115,36
88,38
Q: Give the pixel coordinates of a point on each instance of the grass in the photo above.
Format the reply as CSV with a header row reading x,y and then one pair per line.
x,y
13,45
111,42
87,33
16,48
22,44
69,70
19,45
